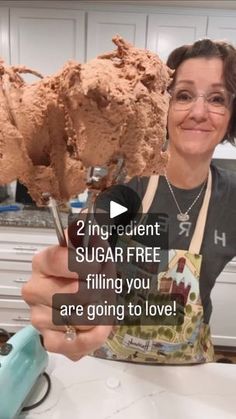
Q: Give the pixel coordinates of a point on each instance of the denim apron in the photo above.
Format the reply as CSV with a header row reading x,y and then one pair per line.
x,y
186,343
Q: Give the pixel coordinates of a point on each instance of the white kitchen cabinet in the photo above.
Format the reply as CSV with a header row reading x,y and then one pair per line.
x,y
103,26
168,31
14,314
225,151
44,39
13,275
20,244
17,247
223,320
4,34
222,27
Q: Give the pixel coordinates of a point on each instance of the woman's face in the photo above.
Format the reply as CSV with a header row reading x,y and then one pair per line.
x,y
198,129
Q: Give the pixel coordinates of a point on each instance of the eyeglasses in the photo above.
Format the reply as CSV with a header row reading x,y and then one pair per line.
x,y
216,101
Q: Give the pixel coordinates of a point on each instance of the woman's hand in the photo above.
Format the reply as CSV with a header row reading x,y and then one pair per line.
x,y
50,276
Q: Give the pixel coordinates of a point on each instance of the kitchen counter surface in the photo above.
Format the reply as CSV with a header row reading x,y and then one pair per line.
x,y
30,217
94,388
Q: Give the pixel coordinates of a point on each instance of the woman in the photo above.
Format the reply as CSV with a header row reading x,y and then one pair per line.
x,y
202,232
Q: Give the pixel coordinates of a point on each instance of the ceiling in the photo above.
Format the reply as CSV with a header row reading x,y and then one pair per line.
x,y
217,4
209,4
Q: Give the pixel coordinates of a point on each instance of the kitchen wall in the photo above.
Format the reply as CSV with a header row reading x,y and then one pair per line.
x,y
45,34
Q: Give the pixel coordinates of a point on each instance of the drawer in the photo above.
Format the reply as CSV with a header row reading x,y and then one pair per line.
x,y
28,235
22,244
223,319
19,251
231,267
12,276
227,277
14,314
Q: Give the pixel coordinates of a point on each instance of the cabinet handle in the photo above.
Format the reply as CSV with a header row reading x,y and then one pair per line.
x,y
21,280
19,319
25,249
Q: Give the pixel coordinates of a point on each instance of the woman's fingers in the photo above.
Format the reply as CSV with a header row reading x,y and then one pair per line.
x,y
51,283
54,260
40,289
84,343
41,318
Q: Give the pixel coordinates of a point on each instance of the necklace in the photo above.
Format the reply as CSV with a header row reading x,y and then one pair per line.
x,y
183,216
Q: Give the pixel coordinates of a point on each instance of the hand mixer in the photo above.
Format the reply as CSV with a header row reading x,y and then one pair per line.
x,y
22,360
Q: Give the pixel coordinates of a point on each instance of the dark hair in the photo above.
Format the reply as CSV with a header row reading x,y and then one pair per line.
x,y
212,49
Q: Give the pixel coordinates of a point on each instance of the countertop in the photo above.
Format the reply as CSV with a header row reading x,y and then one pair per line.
x,y
93,388
29,216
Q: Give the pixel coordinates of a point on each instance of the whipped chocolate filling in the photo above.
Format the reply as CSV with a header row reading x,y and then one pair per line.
x,y
91,114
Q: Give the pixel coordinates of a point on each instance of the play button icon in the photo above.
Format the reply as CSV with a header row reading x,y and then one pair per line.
x,y
116,209
117,205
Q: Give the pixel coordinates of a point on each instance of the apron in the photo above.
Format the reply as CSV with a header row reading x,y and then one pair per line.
x,y
186,343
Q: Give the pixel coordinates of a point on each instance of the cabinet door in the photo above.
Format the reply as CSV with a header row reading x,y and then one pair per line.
x,y
21,244
4,34
222,28
14,314
167,32
13,275
44,39
223,320
103,26
225,151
